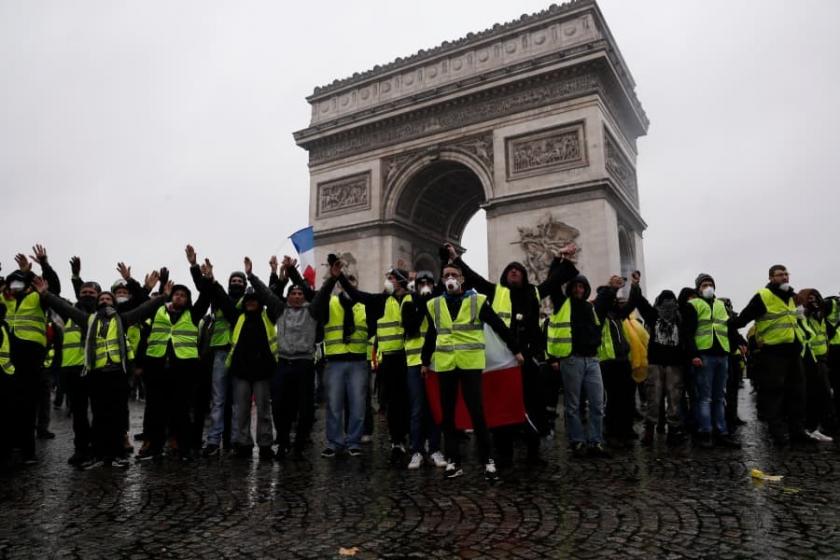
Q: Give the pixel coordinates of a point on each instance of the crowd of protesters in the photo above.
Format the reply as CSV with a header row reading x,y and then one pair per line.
x,y
209,365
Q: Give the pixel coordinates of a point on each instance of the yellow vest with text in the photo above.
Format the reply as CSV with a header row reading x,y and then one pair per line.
x,y
270,332
711,324
778,324
460,342
5,352
28,320
390,335
72,346
334,330
414,344
502,304
183,334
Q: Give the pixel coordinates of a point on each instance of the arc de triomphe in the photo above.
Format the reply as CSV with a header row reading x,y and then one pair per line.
x,y
535,121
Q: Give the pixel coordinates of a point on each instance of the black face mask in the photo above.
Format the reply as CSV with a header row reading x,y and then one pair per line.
x,y
87,303
236,291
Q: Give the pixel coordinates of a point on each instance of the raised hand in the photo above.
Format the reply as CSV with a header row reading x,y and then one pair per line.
x,y
635,277
151,279
272,262
40,255
167,288
190,251
453,252
616,282
23,263
335,268
125,271
40,285
75,266
164,275
248,265
207,269
568,250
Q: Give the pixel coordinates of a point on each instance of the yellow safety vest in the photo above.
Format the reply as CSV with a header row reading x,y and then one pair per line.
x,y
5,352
183,334
334,330
778,324
606,351
220,336
390,335
414,344
815,340
270,332
108,348
72,346
503,306
559,337
28,320
460,343
834,320
711,324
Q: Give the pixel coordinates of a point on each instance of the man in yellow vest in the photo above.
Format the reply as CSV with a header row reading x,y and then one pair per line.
x,y
106,360
454,349
518,303
781,391
173,368
384,308
820,416
26,315
705,321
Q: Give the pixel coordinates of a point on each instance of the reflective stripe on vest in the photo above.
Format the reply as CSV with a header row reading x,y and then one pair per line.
x,y
390,336
778,324
27,320
108,348
711,324
815,338
270,332
502,304
72,346
334,343
460,343
5,352
183,334
414,345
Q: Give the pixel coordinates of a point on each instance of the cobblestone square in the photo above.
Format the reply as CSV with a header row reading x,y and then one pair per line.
x,y
646,504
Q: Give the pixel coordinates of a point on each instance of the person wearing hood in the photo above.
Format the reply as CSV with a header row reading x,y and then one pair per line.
x,y
455,337
219,331
820,416
294,332
705,325
666,360
384,308
518,303
573,339
172,368
106,358
27,319
781,393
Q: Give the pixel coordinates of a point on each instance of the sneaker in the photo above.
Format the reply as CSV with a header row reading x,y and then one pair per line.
x,y
490,474
92,463
397,453
816,435
598,451
354,452
210,450
45,434
328,453
438,459
453,470
148,453
416,462
120,463
367,438
266,452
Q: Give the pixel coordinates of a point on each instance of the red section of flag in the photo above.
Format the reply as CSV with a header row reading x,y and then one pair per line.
x,y
309,276
502,397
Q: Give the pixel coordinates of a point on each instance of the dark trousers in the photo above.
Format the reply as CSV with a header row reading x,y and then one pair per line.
x,y
25,392
834,373
820,411
7,388
392,372
781,392
733,385
109,404
78,393
293,399
44,401
469,381
170,403
621,397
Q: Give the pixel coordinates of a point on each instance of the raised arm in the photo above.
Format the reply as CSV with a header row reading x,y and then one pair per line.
x,y
64,308
75,271
146,309
293,274
754,309
320,302
47,271
274,304
471,277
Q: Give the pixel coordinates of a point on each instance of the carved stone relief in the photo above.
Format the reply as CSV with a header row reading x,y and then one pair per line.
x,y
542,242
619,167
550,150
347,194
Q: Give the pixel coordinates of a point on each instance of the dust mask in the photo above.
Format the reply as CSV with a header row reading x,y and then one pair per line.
x,y
17,286
708,292
389,287
452,285
425,290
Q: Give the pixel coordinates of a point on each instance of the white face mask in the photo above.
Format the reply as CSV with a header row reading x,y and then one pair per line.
x,y
452,285
389,287
800,311
122,299
425,290
708,292
411,286
17,286
785,287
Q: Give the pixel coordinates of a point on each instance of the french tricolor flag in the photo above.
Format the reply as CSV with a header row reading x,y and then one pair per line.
x,y
304,242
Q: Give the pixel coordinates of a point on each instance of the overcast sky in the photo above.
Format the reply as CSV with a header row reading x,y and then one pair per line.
x,y
128,129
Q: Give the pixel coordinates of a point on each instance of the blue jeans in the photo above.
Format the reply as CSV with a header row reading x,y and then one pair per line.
x,y
345,382
583,374
421,425
710,387
220,388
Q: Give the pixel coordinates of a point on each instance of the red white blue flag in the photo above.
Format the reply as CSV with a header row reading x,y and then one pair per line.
x,y
304,242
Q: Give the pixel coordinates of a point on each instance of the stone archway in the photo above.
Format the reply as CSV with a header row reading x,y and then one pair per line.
x,y
535,121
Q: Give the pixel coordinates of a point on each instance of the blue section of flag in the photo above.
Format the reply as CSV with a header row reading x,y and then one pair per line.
x,y
303,240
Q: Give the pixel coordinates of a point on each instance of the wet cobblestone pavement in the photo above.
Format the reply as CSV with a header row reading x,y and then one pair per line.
x,y
647,504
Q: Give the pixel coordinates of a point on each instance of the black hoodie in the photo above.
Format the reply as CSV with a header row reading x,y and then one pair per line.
x,y
586,333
